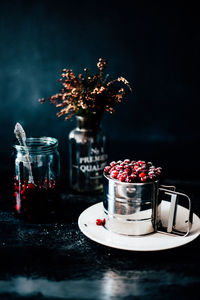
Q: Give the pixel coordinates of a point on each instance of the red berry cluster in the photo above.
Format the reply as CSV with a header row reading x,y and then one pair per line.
x,y
26,187
34,199
132,171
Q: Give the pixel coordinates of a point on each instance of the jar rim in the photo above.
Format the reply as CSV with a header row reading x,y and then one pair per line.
x,y
38,145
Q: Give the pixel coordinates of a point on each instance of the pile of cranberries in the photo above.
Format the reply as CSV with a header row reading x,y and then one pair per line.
x,y
133,171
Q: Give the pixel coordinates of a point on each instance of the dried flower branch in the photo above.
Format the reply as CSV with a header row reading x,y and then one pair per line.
x,y
88,94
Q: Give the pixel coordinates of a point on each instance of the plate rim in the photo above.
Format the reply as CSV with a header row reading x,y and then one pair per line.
x,y
83,229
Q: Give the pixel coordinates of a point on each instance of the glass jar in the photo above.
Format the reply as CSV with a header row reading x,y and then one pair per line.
x,y
36,179
88,155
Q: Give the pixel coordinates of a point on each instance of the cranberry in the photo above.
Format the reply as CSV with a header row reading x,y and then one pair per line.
x,y
112,169
152,176
143,167
107,169
124,173
158,171
118,168
100,222
151,173
126,166
127,161
142,175
152,168
16,186
17,207
121,177
26,182
138,170
127,170
113,163
114,174
31,186
132,167
143,179
52,184
133,175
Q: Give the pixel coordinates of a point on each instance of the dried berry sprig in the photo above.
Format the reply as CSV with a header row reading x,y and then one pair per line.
x,y
88,94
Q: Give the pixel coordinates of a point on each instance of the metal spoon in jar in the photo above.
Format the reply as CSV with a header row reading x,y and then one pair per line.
x,y
21,137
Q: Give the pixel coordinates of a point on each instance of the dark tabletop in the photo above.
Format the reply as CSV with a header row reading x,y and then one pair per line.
x,y
56,261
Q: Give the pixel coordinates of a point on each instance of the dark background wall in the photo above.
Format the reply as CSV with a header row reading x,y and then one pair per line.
x,y
155,46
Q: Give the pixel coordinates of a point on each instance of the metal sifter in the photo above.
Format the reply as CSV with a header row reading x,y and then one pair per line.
x,y
135,208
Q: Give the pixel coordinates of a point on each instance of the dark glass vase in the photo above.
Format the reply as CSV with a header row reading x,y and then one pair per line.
x,y
88,155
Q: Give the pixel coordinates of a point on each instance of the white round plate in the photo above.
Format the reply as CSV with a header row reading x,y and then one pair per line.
x,y
151,242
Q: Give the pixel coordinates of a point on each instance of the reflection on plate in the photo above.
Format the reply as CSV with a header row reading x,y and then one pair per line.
x,y
151,242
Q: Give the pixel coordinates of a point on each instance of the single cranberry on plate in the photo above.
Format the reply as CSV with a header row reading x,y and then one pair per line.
x,y
100,222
